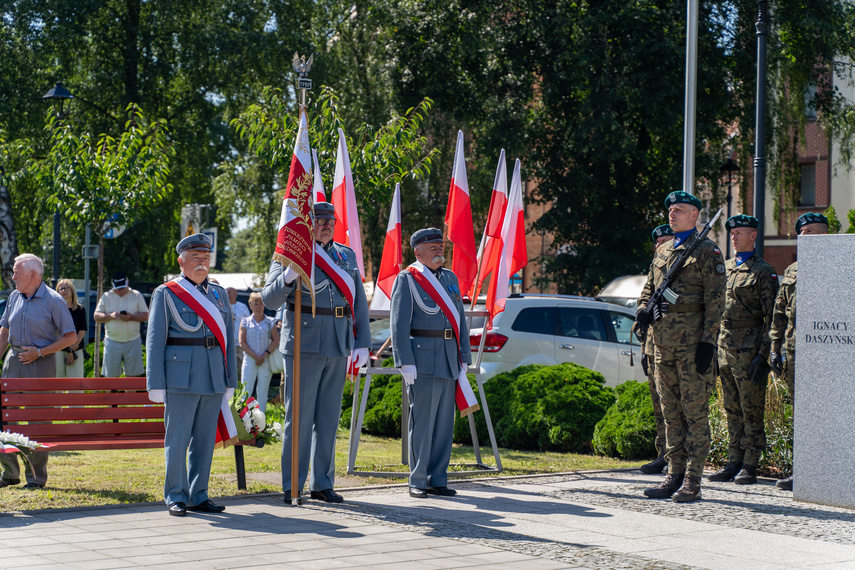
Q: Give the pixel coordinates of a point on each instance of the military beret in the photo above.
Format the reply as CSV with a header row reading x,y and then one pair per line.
x,y
426,235
201,242
810,218
741,221
324,210
680,197
663,230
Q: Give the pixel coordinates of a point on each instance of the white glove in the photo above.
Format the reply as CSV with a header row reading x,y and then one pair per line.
x,y
289,276
408,371
359,357
229,393
157,396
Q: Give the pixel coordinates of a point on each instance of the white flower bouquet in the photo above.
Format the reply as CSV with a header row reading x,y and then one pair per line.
x,y
16,443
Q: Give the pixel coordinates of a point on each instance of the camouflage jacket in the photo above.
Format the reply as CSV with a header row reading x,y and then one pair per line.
x,y
748,305
783,331
700,284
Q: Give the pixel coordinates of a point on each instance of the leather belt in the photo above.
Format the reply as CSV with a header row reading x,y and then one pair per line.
x,y
207,342
337,312
686,308
446,334
741,324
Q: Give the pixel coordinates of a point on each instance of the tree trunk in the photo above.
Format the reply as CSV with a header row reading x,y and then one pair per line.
x,y
8,240
97,355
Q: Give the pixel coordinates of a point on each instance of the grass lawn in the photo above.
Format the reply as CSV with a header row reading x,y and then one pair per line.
x,y
107,477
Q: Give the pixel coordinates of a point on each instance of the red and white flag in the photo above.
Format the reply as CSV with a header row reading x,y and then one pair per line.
x,y
392,260
458,219
490,248
347,229
318,190
295,242
514,255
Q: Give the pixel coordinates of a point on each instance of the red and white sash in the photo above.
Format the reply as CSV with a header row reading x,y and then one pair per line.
x,y
340,277
185,290
463,395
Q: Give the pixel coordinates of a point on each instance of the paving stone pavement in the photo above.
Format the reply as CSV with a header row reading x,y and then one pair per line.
x,y
578,520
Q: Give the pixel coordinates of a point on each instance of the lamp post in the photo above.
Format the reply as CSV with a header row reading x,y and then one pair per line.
x,y
729,167
762,26
57,94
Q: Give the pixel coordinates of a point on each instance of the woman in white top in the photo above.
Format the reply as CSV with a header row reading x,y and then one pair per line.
x,y
258,339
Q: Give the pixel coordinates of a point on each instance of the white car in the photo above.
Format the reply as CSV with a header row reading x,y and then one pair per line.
x,y
552,329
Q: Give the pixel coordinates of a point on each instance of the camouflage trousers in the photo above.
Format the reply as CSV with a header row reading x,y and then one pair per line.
x,y
745,404
685,398
790,373
659,442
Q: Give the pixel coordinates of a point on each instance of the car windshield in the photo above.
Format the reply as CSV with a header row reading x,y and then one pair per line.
x,y
380,330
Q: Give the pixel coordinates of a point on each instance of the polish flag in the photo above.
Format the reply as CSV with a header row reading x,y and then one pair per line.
x,y
514,255
488,251
392,260
318,190
458,219
344,199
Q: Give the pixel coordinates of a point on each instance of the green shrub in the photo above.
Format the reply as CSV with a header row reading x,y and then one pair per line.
x,y
384,417
628,429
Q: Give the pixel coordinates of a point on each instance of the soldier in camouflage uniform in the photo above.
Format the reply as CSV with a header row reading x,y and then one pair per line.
x,y
783,331
685,335
659,235
743,347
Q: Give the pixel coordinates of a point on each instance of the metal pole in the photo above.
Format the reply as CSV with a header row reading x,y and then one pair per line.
x,y
762,26
691,91
54,278
295,397
86,282
729,202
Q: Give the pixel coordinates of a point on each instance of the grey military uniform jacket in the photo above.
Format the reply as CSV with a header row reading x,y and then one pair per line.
x,y
412,308
324,336
188,369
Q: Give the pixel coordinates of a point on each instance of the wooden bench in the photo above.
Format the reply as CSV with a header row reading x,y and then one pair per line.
x,y
101,413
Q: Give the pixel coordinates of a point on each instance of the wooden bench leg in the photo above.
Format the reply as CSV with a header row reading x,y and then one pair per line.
x,y
239,468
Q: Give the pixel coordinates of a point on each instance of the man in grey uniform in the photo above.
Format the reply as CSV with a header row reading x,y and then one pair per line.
x,y
431,355
37,323
190,364
339,327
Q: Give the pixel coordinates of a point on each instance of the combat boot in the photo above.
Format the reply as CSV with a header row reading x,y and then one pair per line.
x,y
654,467
785,484
747,476
726,473
690,491
666,488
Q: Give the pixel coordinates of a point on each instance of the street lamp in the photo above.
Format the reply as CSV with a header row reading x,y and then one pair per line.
x,y
729,167
762,27
57,94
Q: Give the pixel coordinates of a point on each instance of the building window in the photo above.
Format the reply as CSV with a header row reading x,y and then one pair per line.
x,y
807,185
810,107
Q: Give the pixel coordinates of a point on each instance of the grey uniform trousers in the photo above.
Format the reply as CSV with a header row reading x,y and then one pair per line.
x,y
431,430
191,425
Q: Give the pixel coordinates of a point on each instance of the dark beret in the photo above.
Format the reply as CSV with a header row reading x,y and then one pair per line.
x,y
680,197
810,218
659,231
741,221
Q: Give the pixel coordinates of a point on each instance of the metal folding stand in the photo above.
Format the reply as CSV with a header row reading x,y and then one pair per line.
x,y
360,404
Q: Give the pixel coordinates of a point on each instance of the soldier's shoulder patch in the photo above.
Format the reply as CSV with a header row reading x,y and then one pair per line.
x,y
719,268
717,250
774,276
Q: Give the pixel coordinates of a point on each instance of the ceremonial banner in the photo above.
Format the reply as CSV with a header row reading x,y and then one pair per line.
x,y
347,229
490,248
392,260
318,191
514,255
458,219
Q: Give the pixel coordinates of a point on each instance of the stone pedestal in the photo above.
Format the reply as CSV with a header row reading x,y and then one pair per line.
x,y
824,439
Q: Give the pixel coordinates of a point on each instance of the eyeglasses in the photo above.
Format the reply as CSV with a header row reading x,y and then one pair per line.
x,y
321,222
63,288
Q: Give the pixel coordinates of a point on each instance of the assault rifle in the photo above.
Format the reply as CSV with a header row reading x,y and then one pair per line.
x,y
664,291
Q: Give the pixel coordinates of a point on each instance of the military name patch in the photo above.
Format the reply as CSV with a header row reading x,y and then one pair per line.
x,y
720,268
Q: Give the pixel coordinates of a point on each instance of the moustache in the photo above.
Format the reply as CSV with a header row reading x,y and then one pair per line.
x,y
201,267
438,259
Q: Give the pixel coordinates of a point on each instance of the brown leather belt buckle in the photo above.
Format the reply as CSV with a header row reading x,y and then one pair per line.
x,y
210,342
448,334
339,312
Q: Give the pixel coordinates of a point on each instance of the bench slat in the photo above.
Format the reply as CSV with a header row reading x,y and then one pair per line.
x,y
60,384
72,414
115,443
58,400
39,431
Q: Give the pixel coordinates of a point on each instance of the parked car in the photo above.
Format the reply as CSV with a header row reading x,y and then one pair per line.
x,y
623,291
551,329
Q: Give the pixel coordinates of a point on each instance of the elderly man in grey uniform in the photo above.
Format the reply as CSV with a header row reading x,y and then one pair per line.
x,y
37,324
339,327
431,355
190,364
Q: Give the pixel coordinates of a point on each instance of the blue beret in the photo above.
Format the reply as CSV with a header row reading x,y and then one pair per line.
x,y
741,221
659,231
324,210
427,235
680,197
810,218
195,242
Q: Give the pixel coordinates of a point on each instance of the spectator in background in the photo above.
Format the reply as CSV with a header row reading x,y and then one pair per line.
x,y
239,310
69,363
37,324
122,310
259,337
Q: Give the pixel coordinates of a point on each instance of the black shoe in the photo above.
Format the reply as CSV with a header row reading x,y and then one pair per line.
x,y
747,476
207,506
9,482
785,484
654,467
177,509
418,493
689,491
726,473
34,486
328,495
441,491
667,488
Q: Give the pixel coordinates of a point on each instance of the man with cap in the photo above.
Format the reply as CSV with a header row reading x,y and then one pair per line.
x,y
190,366
685,329
338,330
430,344
659,235
743,348
782,357
122,310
